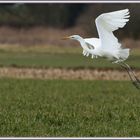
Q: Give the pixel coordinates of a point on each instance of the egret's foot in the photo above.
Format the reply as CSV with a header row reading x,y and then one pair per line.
x,y
136,84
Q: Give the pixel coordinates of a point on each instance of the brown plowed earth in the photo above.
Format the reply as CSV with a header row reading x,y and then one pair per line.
x,y
57,73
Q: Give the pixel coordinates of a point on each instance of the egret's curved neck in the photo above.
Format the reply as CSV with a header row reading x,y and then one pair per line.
x,y
82,42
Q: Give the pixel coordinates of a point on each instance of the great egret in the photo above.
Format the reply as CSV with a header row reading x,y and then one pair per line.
x,y
107,44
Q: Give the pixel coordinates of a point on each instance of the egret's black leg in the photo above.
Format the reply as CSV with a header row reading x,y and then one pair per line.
x,y
136,82
131,71
133,77
127,71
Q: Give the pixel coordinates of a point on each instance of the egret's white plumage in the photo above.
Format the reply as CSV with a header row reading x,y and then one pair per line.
x,y
107,45
106,24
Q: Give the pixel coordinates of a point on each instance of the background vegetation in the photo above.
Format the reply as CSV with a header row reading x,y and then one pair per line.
x,y
65,16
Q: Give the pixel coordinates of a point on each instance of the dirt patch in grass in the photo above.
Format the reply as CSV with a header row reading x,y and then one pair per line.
x,y
56,73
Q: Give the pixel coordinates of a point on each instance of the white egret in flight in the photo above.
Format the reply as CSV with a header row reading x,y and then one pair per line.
x,y
107,44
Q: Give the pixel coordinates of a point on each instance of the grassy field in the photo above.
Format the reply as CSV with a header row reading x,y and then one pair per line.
x,y
43,57
68,108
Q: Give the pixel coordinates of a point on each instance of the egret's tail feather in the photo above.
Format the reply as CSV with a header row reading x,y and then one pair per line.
x,y
124,53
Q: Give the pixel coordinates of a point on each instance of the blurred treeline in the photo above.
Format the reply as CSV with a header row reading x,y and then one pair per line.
x,y
64,16
54,15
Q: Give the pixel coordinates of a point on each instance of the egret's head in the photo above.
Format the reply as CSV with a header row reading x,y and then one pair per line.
x,y
73,37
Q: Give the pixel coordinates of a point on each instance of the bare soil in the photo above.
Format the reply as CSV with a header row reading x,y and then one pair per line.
x,y
56,73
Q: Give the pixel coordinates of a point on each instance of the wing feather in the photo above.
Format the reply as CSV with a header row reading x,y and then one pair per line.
x,y
107,23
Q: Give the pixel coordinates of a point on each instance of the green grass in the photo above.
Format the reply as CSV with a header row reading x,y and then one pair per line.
x,y
68,108
64,60
62,57
40,49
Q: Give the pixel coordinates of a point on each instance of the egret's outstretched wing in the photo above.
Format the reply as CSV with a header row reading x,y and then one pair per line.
x,y
107,23
93,42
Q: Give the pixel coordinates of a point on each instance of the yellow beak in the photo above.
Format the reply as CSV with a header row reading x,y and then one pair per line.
x,y
64,38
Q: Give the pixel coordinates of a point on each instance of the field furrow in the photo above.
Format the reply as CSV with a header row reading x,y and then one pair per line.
x,y
57,73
